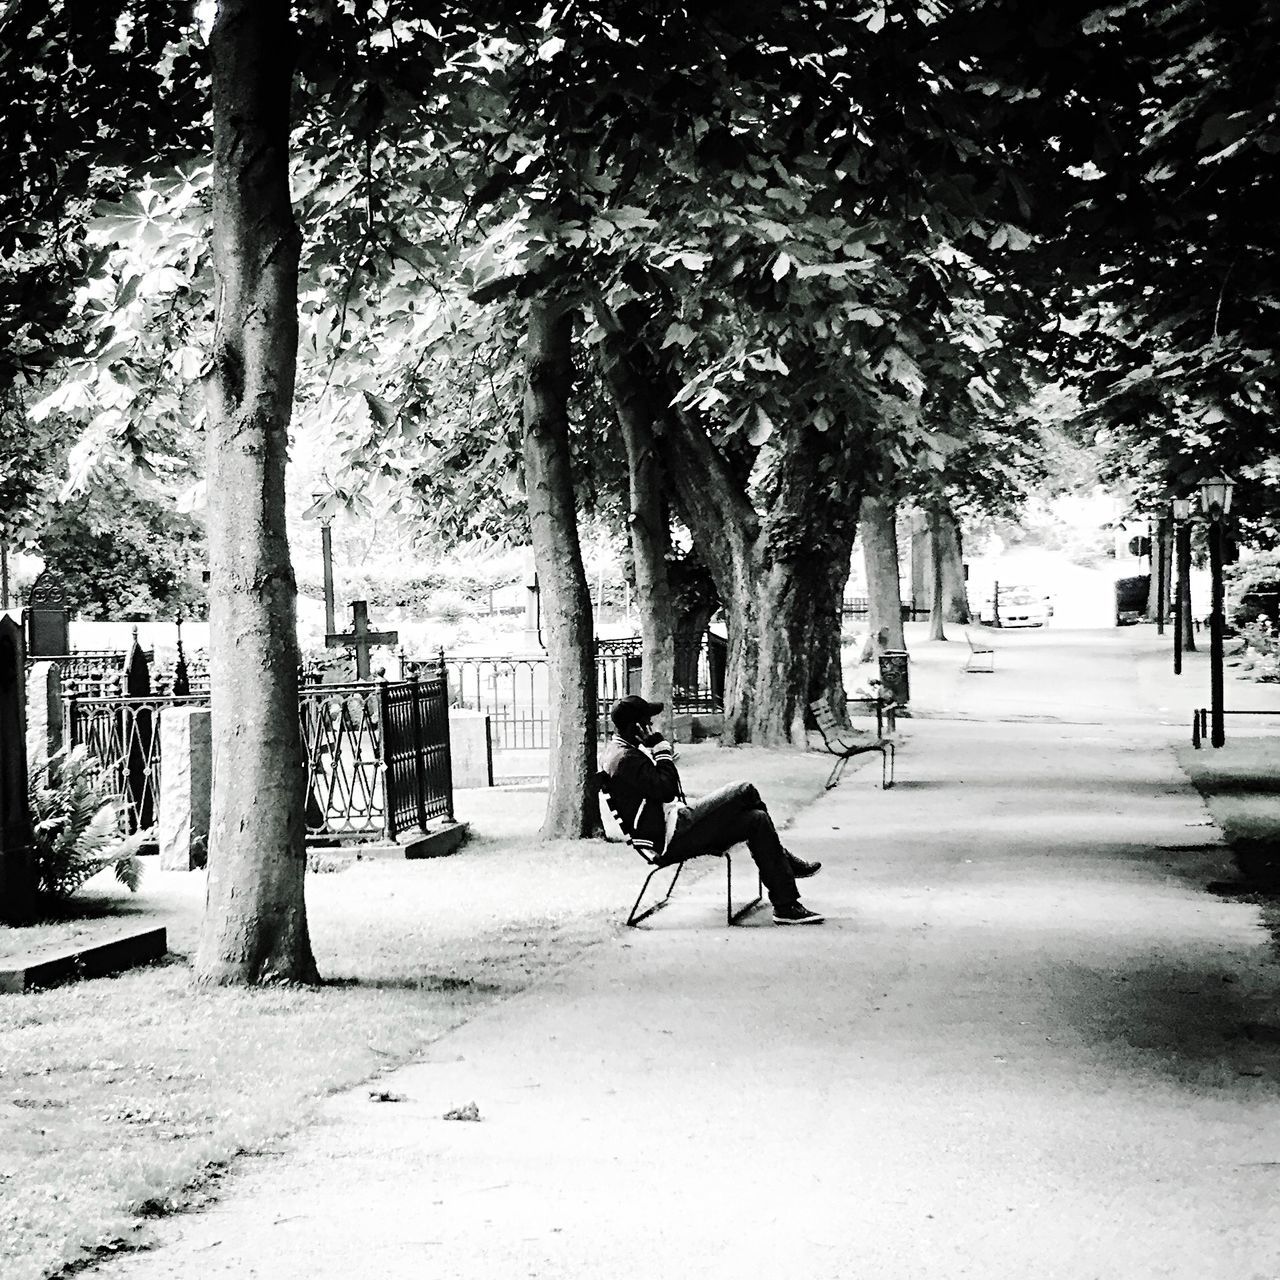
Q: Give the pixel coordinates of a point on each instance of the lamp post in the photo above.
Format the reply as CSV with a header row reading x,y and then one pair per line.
x,y
1215,498
1181,508
326,554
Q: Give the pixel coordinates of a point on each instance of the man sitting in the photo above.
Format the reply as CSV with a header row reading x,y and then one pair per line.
x,y
650,803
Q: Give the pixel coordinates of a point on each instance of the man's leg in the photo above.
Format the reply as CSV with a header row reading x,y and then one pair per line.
x,y
732,813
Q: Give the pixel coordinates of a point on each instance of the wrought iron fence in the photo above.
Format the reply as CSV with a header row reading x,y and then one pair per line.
x,y
123,738
514,691
377,754
87,671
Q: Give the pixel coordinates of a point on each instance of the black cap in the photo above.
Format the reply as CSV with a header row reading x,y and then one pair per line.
x,y
633,709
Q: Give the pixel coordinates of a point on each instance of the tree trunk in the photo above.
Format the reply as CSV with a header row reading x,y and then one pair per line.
x,y
770,572
1184,569
878,521
1162,559
725,530
566,602
937,604
255,922
955,596
650,531
921,564
826,676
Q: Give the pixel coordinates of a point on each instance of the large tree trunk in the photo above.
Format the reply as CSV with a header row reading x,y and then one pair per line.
x,y
921,562
770,573
937,605
1184,570
826,675
566,602
255,921
878,522
726,531
649,526
950,553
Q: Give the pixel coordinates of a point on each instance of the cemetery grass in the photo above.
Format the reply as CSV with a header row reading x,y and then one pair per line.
x,y
123,1099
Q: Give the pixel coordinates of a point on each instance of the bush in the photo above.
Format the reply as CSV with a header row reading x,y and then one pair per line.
x,y
77,826
1253,591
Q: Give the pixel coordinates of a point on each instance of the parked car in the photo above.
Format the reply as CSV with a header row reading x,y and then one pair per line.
x,y
1024,606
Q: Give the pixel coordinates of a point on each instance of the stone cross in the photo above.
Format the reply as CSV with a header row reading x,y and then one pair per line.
x,y
360,638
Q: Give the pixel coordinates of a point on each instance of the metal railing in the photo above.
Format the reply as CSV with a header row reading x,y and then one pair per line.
x,y
377,754
1200,722
514,691
86,671
378,759
122,736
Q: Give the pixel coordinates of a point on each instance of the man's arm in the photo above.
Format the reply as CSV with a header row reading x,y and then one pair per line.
x,y
666,781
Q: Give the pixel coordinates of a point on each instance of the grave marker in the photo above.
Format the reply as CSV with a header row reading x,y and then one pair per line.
x,y
17,857
47,619
360,638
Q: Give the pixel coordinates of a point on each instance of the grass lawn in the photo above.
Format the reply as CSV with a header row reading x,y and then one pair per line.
x,y
123,1097
1240,783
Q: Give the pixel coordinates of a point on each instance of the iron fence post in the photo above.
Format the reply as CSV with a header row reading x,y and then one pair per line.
x,y
419,763
448,753
384,763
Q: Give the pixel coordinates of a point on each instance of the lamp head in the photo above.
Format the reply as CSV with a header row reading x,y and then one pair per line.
x,y
1215,495
1181,509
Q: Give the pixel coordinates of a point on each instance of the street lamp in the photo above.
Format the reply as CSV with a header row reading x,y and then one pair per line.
x,y
1181,508
326,554
1215,497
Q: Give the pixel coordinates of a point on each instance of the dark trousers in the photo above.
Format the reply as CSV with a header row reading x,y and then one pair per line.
x,y
731,814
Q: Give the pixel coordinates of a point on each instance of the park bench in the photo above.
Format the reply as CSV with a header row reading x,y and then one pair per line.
x,y
661,863
844,749
982,657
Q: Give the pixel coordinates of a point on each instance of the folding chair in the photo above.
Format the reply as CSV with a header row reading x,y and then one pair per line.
x,y
661,863
844,750
982,658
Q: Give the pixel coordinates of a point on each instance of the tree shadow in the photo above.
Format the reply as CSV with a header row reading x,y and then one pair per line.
x,y
1188,1019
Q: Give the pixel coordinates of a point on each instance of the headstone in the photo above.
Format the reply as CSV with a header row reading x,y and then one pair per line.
x,y
360,638
186,778
17,858
533,614
470,748
47,618
44,712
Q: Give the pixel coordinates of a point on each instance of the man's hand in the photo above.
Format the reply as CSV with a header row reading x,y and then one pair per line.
x,y
650,737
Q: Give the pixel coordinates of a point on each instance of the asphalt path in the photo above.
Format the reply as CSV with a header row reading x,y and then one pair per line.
x,y
1026,1044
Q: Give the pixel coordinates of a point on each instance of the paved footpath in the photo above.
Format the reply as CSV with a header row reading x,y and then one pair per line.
x,y
1024,1046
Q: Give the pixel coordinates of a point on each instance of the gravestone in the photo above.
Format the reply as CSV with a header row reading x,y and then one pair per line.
x,y
44,712
47,618
186,777
360,638
17,857
533,615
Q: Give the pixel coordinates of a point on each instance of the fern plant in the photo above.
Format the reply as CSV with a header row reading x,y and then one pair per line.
x,y
77,826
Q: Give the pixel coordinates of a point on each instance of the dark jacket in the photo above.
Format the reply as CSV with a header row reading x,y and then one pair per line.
x,y
639,787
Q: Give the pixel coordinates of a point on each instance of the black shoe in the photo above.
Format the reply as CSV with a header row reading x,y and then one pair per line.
x,y
795,913
801,869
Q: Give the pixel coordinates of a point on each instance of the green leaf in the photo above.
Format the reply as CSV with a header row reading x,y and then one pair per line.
x,y
762,430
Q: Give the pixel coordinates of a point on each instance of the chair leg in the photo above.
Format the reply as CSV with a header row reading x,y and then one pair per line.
x,y
732,916
633,919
